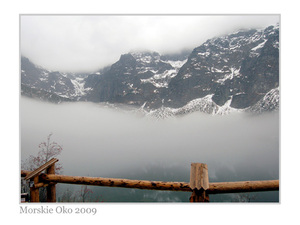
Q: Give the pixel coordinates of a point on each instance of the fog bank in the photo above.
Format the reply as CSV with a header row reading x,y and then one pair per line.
x,y
100,141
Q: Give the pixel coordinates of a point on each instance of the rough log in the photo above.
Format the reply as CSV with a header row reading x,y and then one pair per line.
x,y
113,182
51,189
34,192
214,188
243,186
40,185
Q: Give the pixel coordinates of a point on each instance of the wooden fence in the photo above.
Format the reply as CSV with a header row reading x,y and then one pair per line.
x,y
199,183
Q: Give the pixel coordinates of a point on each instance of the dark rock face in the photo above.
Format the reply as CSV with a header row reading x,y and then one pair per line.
x,y
269,103
137,78
42,79
42,95
233,71
243,66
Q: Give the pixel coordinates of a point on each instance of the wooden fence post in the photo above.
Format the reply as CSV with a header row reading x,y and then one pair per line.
x,y
34,176
51,188
34,192
199,182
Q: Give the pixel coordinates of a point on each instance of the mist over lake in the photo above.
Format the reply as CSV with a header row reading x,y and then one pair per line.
x,y
105,142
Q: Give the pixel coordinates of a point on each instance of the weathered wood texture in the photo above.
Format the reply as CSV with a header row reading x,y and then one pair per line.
x,y
41,169
199,182
113,182
199,176
40,185
214,188
243,186
34,192
199,196
51,188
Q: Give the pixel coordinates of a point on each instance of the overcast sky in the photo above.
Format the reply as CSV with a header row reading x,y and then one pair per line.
x,y
87,43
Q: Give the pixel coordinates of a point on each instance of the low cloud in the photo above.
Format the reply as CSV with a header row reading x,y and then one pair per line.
x,y
99,141
87,43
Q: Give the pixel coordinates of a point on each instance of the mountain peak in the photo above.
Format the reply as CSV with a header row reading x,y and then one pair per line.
x,y
226,73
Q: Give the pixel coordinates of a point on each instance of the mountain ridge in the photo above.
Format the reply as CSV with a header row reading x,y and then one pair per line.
x,y
234,72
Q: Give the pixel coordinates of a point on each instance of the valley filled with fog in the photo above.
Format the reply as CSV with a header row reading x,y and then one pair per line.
x,y
105,142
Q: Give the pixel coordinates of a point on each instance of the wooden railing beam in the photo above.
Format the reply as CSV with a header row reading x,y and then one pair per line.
x,y
113,182
214,188
243,186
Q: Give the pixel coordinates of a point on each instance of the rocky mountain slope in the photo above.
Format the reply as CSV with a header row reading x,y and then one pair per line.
x,y
235,72
243,67
67,86
137,78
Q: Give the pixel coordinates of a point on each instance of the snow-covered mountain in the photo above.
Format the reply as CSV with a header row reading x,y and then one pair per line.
x,y
243,67
270,102
137,78
159,72
65,85
232,73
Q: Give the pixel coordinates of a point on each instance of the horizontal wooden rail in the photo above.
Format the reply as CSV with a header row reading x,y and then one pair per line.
x,y
113,182
41,168
243,186
214,188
